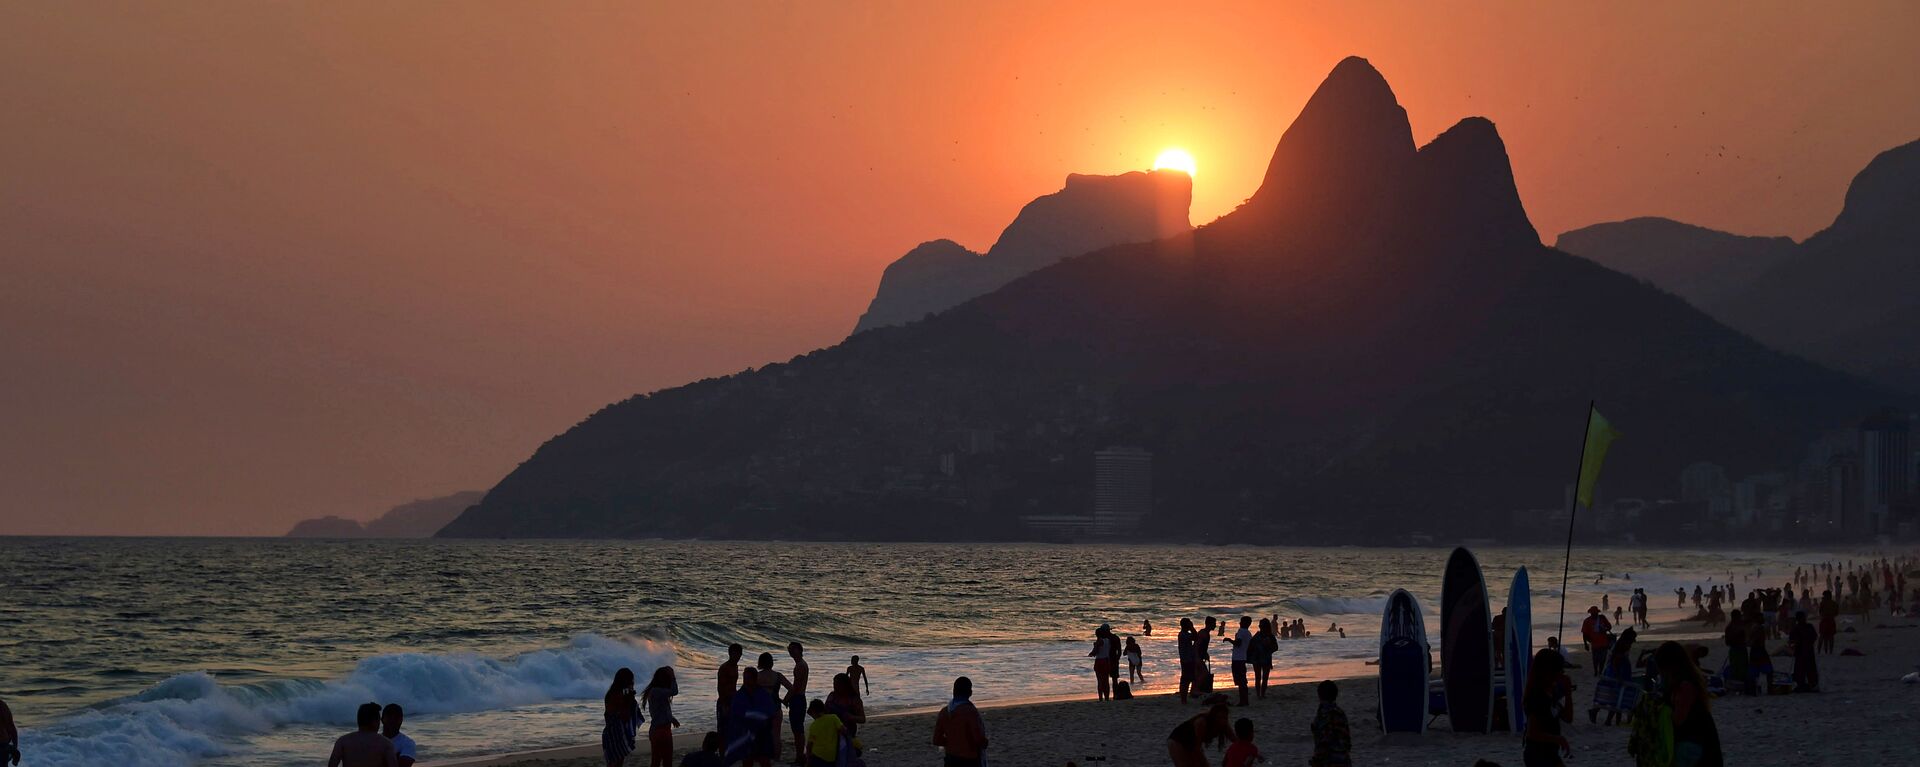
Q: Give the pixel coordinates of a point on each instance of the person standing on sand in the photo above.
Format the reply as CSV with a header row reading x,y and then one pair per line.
x,y
9,737
391,717
772,681
1332,740
1543,745
1829,621
1739,678
858,674
1242,642
1261,656
844,702
959,731
1104,654
1205,672
658,698
729,682
1499,640
1132,651
1803,639
755,718
1696,741
1189,660
364,747
621,715
797,703
1186,745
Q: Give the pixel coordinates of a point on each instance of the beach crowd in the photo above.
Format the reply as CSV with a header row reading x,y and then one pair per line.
x,y
1661,694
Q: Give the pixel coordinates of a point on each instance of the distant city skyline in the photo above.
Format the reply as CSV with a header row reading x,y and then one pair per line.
x,y
272,262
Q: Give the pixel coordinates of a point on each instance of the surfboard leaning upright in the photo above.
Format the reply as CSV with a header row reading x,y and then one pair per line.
x,y
1519,649
1404,665
1466,644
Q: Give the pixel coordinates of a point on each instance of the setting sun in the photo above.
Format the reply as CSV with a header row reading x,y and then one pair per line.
x,y
1174,158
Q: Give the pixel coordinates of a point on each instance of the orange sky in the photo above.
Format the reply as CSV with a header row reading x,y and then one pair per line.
x,y
262,261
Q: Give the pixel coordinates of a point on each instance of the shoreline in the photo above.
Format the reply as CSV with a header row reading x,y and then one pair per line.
x,y
1862,696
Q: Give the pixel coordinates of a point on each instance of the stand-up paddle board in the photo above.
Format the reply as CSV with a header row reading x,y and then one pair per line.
x,y
1404,662
1519,648
1466,644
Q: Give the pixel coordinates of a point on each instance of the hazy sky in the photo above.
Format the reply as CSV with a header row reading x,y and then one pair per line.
x,y
264,261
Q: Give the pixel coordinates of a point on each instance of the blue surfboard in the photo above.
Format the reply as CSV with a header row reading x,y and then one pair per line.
x,y
1519,648
1466,644
1404,665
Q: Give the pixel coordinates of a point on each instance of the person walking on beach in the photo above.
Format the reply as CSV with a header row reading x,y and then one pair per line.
x,y
1132,651
364,747
1597,632
9,737
622,712
797,702
1242,641
1542,744
729,682
404,749
658,698
858,674
1696,741
958,730
1186,745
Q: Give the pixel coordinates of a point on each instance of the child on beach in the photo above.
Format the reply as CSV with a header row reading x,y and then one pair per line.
x,y
823,736
1332,742
1134,674
1243,753
658,698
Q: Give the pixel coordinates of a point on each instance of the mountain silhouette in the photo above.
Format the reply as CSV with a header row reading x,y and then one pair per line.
x,y
1089,213
1844,297
415,519
1375,343
1705,266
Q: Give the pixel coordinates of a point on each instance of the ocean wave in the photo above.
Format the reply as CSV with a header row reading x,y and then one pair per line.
x,y
192,716
1369,605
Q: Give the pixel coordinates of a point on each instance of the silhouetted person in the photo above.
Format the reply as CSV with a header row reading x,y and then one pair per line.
x,y
1132,652
1105,655
729,681
755,717
1696,740
364,747
1542,744
1242,642
404,749
9,736
771,681
797,702
1189,658
958,730
1332,740
658,698
622,710
1186,745
858,674
1806,671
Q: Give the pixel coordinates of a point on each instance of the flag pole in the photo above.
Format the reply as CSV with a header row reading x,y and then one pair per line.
x,y
1573,507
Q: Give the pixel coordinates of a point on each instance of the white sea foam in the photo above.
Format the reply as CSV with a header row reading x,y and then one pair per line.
x,y
192,716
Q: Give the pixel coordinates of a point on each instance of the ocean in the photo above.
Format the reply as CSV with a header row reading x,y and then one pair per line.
x,y
165,651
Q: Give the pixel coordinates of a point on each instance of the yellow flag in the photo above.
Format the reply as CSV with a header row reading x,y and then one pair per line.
x,y
1600,435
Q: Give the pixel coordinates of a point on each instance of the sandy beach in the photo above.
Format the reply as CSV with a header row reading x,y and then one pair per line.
x,y
1864,716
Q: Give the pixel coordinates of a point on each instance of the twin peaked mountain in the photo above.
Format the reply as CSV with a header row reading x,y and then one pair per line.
x,y
1376,341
